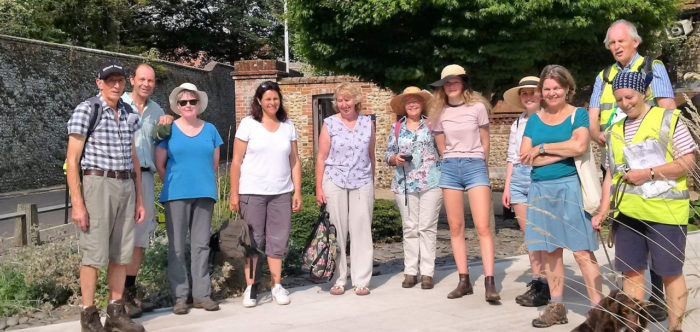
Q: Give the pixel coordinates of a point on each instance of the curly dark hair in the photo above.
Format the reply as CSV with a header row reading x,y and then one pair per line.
x,y
256,108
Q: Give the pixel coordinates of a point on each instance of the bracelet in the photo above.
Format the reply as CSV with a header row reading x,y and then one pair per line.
x,y
651,170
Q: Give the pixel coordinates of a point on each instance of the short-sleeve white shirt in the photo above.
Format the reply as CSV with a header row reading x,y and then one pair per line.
x,y
265,169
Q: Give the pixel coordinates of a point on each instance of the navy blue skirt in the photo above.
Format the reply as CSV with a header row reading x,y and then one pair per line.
x,y
555,217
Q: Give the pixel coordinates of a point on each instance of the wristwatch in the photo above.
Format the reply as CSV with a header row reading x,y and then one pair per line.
x,y
542,148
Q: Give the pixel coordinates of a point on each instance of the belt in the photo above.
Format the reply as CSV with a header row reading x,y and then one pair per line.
x,y
122,175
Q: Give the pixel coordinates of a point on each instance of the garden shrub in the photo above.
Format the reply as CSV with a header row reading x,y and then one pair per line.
x,y
386,221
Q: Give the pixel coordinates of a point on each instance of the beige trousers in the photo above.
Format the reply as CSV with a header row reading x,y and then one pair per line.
x,y
420,220
350,211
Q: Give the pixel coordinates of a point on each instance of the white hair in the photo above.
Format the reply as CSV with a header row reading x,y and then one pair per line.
x,y
631,31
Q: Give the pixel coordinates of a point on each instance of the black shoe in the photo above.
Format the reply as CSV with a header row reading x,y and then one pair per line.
x,y
132,304
90,320
537,295
657,309
118,320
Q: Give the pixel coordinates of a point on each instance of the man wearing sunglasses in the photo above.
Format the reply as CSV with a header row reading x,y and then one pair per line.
x,y
143,81
109,202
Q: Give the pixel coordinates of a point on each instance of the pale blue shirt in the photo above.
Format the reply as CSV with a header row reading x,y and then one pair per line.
x,y
661,84
145,146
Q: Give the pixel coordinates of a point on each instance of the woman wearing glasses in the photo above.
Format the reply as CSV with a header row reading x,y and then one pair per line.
x,y
411,148
187,162
265,171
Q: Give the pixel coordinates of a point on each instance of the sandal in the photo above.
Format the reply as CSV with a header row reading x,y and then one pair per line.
x,y
362,291
337,290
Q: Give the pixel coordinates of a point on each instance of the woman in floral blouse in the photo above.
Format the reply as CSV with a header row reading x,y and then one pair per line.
x,y
411,148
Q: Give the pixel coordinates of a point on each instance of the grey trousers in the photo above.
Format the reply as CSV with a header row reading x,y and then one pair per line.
x,y
193,215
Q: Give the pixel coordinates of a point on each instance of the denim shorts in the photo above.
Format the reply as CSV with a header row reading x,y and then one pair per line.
x,y
463,173
519,183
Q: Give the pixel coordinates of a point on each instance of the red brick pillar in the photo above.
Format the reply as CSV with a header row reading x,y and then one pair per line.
x,y
248,74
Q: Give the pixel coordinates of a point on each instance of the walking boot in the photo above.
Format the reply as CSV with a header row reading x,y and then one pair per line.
x,y
132,304
464,287
491,293
90,320
426,282
537,295
554,313
657,309
409,281
118,320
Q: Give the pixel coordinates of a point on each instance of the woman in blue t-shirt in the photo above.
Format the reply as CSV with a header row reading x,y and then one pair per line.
x,y
555,215
187,162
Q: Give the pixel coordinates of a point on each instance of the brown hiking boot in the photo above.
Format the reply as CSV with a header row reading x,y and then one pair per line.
x,y
132,304
208,305
426,282
491,292
90,320
118,320
409,281
554,313
464,287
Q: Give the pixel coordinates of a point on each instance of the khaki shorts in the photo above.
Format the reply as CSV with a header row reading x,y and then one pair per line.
x,y
110,236
144,230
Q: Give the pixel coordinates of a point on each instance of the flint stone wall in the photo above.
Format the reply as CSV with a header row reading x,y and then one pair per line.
x,y
40,85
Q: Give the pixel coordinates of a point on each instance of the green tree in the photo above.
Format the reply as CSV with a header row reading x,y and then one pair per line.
x,y
396,43
225,30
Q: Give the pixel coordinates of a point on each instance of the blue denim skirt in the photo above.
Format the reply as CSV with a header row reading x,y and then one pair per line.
x,y
555,217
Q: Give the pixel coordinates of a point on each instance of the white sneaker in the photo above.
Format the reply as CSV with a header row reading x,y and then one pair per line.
x,y
280,294
248,301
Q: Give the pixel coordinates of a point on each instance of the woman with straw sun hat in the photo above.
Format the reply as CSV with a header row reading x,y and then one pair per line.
x,y
461,126
526,97
411,148
187,163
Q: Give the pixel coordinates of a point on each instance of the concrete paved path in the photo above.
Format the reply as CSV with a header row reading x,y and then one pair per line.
x,y
391,308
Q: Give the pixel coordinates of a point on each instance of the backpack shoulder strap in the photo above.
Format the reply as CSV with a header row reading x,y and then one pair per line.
x,y
606,74
95,115
397,128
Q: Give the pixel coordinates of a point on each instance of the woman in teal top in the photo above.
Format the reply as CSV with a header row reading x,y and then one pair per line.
x,y
555,215
187,162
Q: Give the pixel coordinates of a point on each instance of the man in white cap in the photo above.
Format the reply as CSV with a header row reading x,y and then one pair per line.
x,y
109,202
143,81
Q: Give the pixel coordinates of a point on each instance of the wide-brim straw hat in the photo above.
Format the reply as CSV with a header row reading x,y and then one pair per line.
x,y
201,96
512,96
397,105
449,72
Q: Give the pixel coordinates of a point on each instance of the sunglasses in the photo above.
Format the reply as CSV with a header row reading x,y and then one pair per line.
x,y
192,102
269,85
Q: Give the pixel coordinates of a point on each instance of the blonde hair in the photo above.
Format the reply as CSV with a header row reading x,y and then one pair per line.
x,y
437,104
348,89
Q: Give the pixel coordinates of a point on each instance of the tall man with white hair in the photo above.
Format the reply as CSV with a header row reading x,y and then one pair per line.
x,y
623,40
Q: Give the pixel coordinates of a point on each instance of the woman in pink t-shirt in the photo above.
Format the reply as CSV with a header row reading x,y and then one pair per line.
x,y
461,127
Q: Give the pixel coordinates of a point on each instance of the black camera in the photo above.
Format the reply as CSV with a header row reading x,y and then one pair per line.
x,y
407,157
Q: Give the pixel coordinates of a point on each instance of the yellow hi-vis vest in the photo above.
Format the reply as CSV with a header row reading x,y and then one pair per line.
x,y
671,207
607,98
